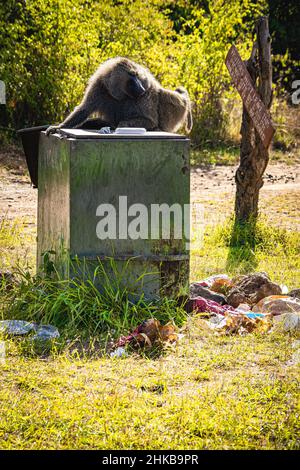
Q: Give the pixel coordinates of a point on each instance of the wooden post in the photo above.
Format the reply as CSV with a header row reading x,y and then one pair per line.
x,y
254,156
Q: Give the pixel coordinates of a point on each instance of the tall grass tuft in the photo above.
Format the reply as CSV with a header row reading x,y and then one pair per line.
x,y
79,306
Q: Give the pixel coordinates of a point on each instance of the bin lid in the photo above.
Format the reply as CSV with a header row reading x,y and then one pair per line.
x,y
92,134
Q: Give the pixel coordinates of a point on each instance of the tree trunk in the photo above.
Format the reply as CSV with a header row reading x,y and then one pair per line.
x,y
254,156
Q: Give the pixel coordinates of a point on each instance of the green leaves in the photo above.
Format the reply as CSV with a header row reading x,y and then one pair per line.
x,y
49,49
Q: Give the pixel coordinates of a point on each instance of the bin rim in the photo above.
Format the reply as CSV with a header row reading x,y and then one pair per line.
x,y
30,129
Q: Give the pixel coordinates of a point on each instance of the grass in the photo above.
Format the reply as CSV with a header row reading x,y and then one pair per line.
x,y
272,249
220,154
211,392
16,243
76,306
229,153
208,392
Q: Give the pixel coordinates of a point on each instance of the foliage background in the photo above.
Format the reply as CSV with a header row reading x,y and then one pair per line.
x,y
49,48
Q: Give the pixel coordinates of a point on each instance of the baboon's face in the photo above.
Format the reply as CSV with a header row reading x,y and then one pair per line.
x,y
127,82
134,87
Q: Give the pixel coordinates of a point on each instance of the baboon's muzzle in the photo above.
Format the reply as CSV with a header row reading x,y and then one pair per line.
x,y
135,88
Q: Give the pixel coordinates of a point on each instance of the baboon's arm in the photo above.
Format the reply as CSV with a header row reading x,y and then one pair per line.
x,y
93,100
78,116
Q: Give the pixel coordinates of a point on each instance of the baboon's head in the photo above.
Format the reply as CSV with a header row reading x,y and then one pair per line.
x,y
127,80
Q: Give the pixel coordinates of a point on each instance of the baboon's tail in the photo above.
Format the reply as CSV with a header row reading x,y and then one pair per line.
x,y
189,120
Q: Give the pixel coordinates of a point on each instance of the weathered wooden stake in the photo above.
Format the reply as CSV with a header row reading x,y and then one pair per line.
x,y
254,156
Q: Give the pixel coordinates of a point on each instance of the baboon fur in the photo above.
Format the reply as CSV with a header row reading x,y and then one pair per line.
x,y
125,94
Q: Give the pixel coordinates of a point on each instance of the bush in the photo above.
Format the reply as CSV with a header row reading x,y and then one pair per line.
x,y
50,48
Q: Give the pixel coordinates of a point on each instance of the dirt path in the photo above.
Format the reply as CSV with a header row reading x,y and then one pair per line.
x,y
212,186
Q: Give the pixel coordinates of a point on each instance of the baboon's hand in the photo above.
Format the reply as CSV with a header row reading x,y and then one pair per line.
x,y
52,129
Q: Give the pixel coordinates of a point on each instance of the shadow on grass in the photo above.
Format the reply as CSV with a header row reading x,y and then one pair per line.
x,y
241,255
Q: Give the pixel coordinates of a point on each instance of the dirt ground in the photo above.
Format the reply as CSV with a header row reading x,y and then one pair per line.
x,y
212,186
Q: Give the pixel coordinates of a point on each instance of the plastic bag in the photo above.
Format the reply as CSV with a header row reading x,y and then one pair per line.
x,y
22,327
46,332
16,327
244,308
242,323
277,305
119,352
196,290
200,304
251,289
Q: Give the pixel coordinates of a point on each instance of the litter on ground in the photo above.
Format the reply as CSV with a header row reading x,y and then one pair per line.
x,y
240,305
148,333
23,328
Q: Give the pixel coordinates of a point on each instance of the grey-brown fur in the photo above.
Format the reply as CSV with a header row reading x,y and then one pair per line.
x,y
125,94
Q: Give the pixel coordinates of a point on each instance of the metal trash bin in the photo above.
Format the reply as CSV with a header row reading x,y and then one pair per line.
x,y
30,137
84,175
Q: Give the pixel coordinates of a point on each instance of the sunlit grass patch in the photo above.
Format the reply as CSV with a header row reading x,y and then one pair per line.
x,y
229,153
211,393
271,249
10,231
207,392
16,243
282,209
221,154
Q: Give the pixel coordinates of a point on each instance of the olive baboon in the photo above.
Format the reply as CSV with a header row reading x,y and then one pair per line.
x,y
125,94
